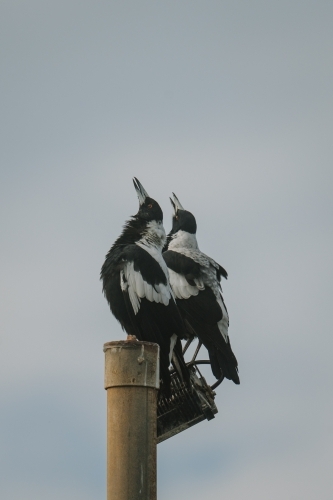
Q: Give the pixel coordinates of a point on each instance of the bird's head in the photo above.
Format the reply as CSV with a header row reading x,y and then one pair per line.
x,y
149,209
182,220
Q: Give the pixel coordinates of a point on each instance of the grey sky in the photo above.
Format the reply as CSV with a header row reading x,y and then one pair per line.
x,y
229,105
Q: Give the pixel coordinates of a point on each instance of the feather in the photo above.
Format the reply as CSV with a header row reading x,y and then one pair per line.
x,y
180,286
139,284
138,288
148,291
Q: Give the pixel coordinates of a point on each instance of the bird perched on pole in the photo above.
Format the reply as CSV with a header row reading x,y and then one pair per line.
x,y
195,280
136,286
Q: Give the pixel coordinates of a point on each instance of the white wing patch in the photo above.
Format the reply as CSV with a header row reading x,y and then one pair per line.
x,y
180,287
223,324
126,287
137,288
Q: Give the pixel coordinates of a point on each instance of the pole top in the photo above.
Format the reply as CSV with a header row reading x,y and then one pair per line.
x,y
131,362
130,338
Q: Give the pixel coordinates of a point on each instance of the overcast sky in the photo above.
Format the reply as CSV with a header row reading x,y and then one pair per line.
x,y
229,105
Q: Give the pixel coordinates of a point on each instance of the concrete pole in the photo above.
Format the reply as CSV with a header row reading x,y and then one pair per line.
x,y
131,381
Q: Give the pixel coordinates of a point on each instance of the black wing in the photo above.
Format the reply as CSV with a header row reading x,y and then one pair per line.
x,y
182,265
201,312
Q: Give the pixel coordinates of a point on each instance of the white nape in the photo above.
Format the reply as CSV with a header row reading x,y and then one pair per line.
x,y
183,239
154,235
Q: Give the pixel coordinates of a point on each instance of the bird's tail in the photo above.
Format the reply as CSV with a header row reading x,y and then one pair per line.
x,y
224,363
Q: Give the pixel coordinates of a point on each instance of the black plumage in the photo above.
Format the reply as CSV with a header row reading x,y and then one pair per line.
x,y
136,286
195,279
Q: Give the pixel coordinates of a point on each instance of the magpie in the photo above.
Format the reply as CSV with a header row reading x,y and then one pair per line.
x,y
136,286
195,280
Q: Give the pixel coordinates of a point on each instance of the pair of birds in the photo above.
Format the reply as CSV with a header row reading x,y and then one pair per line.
x,y
163,289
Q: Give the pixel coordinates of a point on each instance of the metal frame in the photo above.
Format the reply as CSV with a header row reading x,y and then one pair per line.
x,y
186,406
195,362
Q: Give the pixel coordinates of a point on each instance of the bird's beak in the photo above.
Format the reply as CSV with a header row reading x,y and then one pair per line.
x,y
173,206
140,190
176,204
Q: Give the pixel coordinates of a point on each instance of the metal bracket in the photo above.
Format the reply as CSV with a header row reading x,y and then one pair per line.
x,y
186,407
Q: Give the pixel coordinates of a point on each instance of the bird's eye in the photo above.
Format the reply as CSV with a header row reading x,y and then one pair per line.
x,y
150,205
176,217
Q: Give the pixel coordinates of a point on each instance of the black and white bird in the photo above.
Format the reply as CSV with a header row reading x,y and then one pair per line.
x,y
136,286
195,280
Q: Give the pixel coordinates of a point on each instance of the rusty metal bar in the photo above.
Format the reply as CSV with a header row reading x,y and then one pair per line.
x,y
131,381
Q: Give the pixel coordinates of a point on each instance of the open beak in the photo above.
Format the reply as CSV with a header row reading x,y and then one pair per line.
x,y
173,206
176,204
140,191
